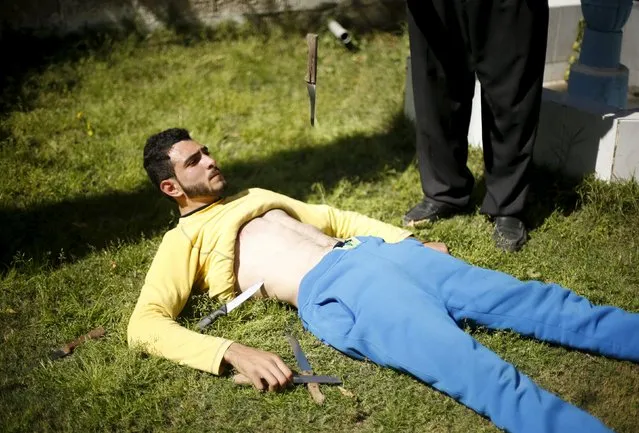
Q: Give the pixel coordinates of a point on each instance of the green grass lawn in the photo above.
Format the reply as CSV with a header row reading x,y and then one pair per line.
x,y
80,224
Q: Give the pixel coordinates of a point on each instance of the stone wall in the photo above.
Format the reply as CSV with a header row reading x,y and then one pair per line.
x,y
65,16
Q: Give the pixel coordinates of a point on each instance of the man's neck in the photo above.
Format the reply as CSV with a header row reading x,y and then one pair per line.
x,y
194,205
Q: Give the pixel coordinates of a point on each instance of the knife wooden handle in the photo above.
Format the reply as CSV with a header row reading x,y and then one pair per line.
x,y
93,334
316,394
311,72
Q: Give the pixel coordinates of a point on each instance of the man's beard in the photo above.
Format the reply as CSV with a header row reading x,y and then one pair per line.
x,y
201,189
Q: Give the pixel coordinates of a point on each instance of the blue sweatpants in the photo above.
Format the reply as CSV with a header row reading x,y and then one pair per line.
x,y
398,305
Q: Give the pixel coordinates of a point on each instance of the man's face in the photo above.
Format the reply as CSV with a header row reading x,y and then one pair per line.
x,y
195,171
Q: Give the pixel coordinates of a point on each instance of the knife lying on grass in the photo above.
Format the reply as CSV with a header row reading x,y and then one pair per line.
x,y
230,306
305,369
305,376
68,348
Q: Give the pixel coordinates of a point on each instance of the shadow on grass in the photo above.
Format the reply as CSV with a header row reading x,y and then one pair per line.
x,y
68,230
28,55
29,52
550,192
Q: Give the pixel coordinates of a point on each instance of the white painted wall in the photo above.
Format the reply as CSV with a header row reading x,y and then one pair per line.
x,y
576,136
630,45
563,24
562,31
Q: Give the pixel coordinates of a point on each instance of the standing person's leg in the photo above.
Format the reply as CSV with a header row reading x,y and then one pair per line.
x,y
443,86
508,45
362,304
497,300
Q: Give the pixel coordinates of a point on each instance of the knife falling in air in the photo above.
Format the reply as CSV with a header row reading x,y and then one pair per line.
x,y
230,306
311,72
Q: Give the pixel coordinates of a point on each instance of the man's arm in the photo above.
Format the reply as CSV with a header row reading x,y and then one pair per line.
x,y
161,335
348,223
330,220
153,327
343,223
166,289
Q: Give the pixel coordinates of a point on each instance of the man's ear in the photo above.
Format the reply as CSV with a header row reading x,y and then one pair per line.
x,y
171,188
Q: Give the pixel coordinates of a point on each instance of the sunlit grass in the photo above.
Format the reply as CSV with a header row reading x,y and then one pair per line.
x,y
80,225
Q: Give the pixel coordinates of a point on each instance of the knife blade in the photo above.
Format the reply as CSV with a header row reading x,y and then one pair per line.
x,y
302,361
306,370
230,306
311,72
301,379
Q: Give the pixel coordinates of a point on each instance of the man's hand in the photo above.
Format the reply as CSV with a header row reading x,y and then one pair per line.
x,y
439,246
264,369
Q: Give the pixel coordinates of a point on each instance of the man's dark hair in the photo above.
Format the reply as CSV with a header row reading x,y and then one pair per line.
x,y
156,153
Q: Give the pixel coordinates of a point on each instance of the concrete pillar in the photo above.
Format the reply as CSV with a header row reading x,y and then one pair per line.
x,y
599,76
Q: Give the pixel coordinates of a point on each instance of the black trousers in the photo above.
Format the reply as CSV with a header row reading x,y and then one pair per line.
x,y
503,44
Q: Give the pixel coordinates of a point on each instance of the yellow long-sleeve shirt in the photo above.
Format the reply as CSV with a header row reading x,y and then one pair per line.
x,y
199,254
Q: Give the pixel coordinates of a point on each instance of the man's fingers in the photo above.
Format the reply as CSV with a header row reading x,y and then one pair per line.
x,y
274,376
258,383
274,379
285,374
281,377
256,380
284,368
254,377
240,379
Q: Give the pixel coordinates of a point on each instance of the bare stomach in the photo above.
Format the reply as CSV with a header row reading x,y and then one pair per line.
x,y
279,250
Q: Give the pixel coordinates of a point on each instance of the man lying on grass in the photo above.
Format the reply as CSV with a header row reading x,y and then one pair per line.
x,y
382,295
